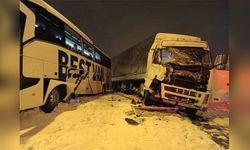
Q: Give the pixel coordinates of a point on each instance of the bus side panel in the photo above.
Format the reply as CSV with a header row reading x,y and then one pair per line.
x,y
32,96
94,83
84,87
50,70
42,50
97,87
88,85
32,68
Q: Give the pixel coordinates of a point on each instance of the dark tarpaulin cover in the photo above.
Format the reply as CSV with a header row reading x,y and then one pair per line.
x,y
133,60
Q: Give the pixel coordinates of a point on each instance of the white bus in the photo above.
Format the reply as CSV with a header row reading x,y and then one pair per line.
x,y
57,59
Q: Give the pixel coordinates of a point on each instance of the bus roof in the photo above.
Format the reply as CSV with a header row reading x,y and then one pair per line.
x,y
60,16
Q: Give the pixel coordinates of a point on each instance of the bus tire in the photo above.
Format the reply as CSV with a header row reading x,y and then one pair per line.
x,y
52,101
147,98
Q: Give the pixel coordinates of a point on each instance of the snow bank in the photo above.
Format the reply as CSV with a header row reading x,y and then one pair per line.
x,y
222,121
98,123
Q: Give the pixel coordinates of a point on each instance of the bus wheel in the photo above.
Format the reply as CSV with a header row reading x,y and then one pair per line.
x,y
51,102
147,98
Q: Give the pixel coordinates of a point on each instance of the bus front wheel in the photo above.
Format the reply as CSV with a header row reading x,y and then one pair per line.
x,y
52,101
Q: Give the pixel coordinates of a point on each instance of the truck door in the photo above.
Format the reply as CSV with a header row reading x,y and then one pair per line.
x,y
154,69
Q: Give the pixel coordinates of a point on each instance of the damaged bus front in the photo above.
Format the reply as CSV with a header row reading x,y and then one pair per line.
x,y
178,70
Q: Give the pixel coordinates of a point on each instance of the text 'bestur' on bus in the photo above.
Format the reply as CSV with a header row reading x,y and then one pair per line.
x,y
57,59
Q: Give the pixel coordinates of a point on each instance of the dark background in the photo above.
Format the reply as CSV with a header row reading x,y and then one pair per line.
x,y
115,25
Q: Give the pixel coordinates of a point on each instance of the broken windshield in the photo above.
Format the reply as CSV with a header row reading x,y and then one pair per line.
x,y
185,56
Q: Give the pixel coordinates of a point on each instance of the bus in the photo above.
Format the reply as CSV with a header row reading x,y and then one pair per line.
x,y
57,60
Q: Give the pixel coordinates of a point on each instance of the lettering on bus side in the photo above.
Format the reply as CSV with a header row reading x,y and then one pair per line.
x,y
68,64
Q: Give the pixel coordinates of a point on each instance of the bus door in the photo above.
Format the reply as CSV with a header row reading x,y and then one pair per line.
x,y
31,88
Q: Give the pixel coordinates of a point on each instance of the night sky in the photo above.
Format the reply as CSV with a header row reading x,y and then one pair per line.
x,y
115,25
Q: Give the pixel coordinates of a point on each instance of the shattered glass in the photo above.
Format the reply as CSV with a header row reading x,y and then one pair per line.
x,y
185,56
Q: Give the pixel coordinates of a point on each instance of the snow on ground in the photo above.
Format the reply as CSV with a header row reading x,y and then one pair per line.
x,y
221,121
98,123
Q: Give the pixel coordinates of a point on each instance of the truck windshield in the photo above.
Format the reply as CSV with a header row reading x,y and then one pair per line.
x,y
186,56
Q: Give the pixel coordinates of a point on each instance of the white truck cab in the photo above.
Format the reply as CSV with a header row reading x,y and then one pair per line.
x,y
178,71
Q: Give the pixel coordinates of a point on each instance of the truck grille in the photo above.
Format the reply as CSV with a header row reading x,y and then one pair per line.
x,y
181,82
180,99
182,91
183,95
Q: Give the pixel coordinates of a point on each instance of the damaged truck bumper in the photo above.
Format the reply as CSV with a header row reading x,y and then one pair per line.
x,y
184,97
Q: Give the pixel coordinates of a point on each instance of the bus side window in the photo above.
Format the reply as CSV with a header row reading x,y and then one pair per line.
x,y
97,56
88,51
105,61
48,27
22,25
73,40
102,59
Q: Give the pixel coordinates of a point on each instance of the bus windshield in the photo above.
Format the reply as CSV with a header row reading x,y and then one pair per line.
x,y
186,56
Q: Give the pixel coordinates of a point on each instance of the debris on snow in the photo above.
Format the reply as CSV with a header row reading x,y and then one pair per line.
x,y
131,121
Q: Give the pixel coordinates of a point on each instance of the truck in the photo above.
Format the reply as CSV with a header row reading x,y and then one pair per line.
x,y
219,83
166,69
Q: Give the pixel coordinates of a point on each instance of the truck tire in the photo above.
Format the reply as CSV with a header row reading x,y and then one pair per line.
x,y
52,101
191,111
147,98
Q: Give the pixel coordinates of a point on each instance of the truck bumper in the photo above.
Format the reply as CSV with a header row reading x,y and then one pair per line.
x,y
184,97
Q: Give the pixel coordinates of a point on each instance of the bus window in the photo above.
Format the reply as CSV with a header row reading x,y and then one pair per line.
x,y
22,25
48,27
73,41
88,51
97,56
105,61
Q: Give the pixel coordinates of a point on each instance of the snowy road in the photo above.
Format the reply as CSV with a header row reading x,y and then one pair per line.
x,y
98,123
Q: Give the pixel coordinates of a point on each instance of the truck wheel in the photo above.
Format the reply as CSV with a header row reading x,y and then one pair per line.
x,y
191,111
147,98
51,102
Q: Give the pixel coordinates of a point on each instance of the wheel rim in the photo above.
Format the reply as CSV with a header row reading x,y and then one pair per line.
x,y
54,97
